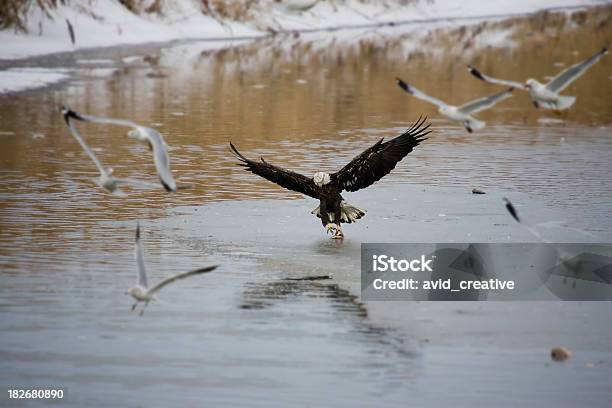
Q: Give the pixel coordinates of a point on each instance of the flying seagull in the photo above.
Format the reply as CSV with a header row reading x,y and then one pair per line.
x,y
580,265
586,265
547,95
142,292
461,113
364,170
155,141
512,210
106,180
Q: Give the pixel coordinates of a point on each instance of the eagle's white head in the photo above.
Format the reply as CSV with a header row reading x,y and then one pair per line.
x,y
321,178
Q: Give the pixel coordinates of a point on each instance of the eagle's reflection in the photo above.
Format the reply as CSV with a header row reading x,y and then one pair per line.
x,y
263,295
266,295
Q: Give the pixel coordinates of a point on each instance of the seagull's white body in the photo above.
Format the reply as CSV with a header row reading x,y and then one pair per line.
x,y
461,113
547,95
109,183
454,113
141,292
156,142
543,97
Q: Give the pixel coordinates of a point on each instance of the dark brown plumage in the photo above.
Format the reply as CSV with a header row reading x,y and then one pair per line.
x,y
363,171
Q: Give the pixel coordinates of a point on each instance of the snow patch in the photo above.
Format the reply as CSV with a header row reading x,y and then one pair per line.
x,y
98,23
103,23
20,79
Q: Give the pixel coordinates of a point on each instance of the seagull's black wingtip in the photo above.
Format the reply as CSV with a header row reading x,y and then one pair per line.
x,y
402,84
206,269
167,187
512,210
70,114
476,73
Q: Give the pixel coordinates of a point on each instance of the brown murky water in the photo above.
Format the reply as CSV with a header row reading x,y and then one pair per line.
x,y
307,103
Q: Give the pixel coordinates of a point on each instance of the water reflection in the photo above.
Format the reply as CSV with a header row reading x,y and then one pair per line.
x,y
309,103
343,306
265,295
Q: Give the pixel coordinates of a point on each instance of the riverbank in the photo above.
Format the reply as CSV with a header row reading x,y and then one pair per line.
x,y
108,23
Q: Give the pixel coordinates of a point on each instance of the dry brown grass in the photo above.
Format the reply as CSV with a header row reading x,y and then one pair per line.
x,y
13,12
237,10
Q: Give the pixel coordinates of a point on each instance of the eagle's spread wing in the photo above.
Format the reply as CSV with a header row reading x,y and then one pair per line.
x,y
284,178
378,161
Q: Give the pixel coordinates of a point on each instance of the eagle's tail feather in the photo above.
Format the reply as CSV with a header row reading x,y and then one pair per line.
x,y
348,213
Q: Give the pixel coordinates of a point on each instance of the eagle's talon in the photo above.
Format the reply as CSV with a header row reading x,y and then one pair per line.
x,y
329,228
338,234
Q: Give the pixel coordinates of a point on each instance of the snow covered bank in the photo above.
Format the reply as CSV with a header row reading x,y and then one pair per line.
x,y
101,23
20,79
104,23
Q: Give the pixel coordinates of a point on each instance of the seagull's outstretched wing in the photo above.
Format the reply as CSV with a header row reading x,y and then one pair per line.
x,y
569,75
492,80
378,161
512,210
418,94
161,158
101,120
284,178
139,255
484,103
571,261
68,114
180,276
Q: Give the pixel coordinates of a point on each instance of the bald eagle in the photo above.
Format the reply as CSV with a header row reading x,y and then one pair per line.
x,y
363,171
